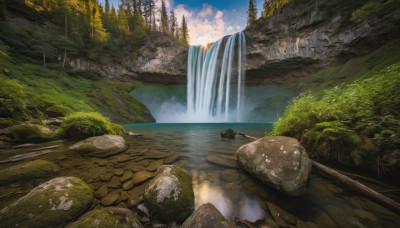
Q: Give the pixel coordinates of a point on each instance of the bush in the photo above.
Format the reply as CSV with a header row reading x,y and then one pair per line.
x,y
344,121
55,111
88,124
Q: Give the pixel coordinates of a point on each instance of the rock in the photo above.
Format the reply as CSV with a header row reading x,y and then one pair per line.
x,y
107,217
55,111
111,198
136,196
278,161
118,172
223,160
124,196
230,175
106,176
169,195
347,217
114,182
126,176
228,133
127,185
101,192
207,216
101,146
51,204
28,171
28,132
141,177
281,217
153,166
24,156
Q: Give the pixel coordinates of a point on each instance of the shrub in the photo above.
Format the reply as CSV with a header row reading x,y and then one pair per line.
x,y
55,111
337,125
87,124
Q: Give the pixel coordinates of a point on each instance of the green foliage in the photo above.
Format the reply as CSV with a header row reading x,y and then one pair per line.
x,y
335,125
31,133
271,6
375,7
88,124
252,13
12,99
56,111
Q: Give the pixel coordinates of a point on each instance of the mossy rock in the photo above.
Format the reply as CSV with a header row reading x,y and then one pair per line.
x,y
228,133
169,195
27,171
51,204
6,122
207,215
31,133
55,111
101,146
107,217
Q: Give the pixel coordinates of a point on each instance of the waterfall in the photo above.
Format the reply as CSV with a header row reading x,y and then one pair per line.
x,y
215,79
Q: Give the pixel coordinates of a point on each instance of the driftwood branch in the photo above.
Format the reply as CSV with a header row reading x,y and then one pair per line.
x,y
352,184
247,136
245,223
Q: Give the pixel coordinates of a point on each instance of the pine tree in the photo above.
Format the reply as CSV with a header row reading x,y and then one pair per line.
x,y
107,9
184,32
252,13
173,23
164,18
153,23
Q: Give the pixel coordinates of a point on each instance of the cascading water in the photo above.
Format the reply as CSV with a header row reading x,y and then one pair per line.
x,y
215,80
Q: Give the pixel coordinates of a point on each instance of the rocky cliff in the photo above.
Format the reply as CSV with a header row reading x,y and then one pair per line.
x,y
161,59
293,44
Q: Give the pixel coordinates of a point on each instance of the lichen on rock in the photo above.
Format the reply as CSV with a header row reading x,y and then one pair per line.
x,y
51,204
169,195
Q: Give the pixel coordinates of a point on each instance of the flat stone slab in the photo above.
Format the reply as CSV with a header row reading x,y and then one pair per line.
x,y
223,160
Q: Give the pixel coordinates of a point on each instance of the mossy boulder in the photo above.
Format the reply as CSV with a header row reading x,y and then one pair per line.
x,y
101,146
207,215
31,133
278,161
107,217
169,195
55,111
51,204
228,133
27,171
88,124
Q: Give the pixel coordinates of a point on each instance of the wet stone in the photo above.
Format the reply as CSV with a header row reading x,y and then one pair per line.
x,y
101,162
141,177
153,166
101,192
135,195
127,185
281,217
126,176
230,175
223,160
106,177
118,172
110,199
124,196
114,182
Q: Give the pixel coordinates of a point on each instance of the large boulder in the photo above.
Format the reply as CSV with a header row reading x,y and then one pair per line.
x,y
101,146
27,171
107,217
207,216
51,204
278,161
169,195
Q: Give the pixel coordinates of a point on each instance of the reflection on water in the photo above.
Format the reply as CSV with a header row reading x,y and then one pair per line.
x,y
232,191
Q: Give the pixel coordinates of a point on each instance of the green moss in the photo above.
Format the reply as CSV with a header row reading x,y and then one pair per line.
x,y
354,124
107,217
51,204
88,124
170,209
6,122
228,133
31,133
375,7
56,111
28,171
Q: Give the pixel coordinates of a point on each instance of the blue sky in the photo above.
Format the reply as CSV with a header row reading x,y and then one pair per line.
x,y
209,21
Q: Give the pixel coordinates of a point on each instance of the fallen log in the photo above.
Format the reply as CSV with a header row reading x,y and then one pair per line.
x,y
357,186
351,184
245,223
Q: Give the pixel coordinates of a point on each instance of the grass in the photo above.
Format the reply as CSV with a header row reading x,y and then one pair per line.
x,y
356,124
29,89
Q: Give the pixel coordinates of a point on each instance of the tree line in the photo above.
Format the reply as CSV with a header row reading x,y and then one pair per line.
x,y
269,8
84,28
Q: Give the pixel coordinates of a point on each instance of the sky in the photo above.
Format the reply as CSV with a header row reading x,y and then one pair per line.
x,y
208,21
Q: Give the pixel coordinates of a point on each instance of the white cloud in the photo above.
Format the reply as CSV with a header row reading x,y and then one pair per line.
x,y
207,25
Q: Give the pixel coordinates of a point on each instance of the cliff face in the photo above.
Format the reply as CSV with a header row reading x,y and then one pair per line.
x,y
291,44
161,59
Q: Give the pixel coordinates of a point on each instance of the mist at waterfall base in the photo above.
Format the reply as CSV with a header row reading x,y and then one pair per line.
x,y
167,104
215,90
